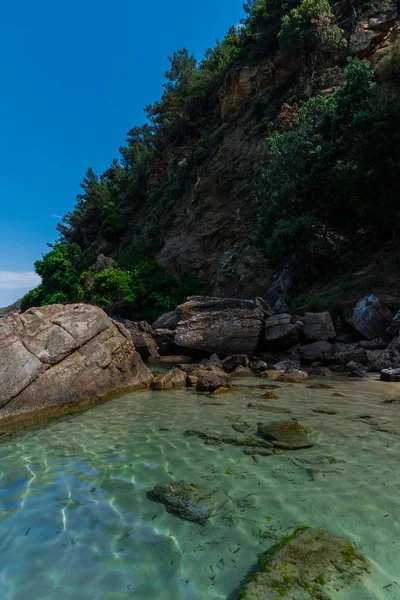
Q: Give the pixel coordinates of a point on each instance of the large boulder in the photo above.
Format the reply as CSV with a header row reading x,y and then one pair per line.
x,y
370,317
308,564
222,325
58,356
318,327
142,336
280,332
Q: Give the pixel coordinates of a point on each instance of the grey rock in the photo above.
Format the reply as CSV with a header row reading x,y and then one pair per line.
x,y
142,336
210,382
280,332
317,352
225,326
232,362
293,376
318,327
370,317
168,320
390,374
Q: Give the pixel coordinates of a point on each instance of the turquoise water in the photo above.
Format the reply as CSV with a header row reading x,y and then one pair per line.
x,y
75,522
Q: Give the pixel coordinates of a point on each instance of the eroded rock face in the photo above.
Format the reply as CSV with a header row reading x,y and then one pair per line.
x,y
222,325
242,84
57,356
142,337
371,30
307,565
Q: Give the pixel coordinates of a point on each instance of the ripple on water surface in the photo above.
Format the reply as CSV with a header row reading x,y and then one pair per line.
x,y
75,522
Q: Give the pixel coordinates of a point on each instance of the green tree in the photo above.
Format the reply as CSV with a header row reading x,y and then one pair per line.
x,y
309,33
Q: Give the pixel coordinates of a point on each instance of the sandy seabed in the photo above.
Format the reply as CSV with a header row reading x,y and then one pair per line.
x,y
75,522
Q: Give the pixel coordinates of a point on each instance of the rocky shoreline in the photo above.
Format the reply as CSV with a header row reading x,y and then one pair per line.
x,y
57,356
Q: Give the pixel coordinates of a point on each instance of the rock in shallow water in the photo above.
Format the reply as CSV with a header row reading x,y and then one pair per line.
x,y
182,500
176,378
288,435
390,375
310,564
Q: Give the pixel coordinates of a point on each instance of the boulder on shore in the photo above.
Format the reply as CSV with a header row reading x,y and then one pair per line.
x,y
280,332
176,378
210,382
293,376
370,317
390,374
219,325
58,356
318,327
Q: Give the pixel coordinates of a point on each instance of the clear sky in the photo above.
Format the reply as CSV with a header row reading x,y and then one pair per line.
x,y
75,77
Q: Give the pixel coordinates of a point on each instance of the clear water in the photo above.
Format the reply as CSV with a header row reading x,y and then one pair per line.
x,y
75,523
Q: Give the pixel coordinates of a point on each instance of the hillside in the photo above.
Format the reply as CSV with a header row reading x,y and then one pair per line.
x,y
269,169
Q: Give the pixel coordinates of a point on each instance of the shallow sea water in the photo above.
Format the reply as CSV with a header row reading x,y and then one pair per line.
x,y
75,522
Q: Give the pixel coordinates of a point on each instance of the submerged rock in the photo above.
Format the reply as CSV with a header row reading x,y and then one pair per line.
x,y
309,564
58,356
182,500
250,440
288,435
168,381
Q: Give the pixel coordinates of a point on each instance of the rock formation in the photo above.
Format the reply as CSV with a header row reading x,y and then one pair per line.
x,y
58,356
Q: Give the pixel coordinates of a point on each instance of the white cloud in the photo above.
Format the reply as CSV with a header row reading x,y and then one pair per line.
x,y
56,217
18,280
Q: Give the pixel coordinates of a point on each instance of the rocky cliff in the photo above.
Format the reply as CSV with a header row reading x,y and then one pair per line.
x,y
181,213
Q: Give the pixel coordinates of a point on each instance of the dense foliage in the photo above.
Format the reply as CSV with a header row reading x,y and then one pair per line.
x,y
323,181
326,164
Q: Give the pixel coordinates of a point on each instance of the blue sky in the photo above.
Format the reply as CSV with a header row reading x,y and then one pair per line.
x,y
75,77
